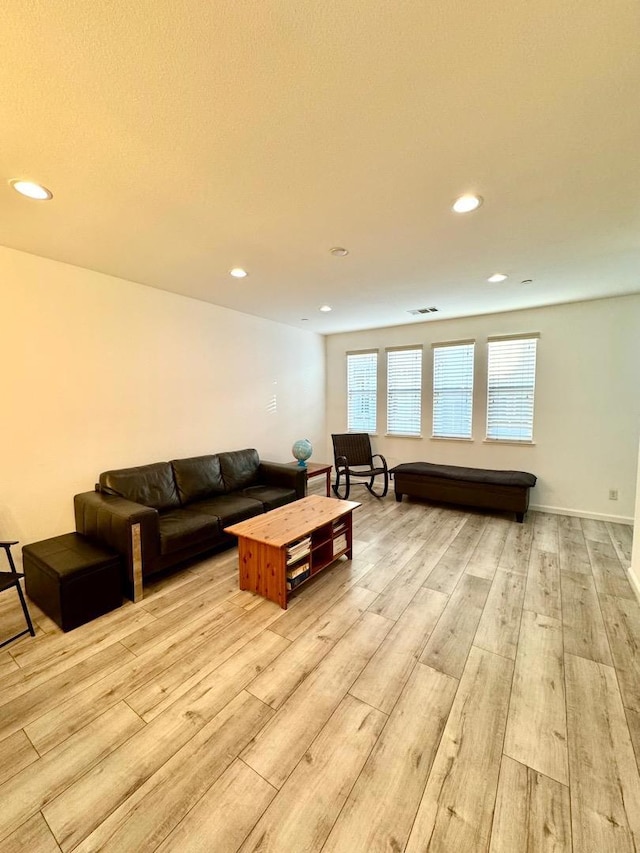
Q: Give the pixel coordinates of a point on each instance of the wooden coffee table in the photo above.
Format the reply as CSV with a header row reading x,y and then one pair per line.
x,y
280,550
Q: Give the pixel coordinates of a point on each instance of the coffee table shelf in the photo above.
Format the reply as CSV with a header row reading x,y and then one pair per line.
x,y
313,532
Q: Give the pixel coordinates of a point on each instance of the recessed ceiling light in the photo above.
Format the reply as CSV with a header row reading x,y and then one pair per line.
x,y
325,307
467,203
497,276
339,252
32,190
238,272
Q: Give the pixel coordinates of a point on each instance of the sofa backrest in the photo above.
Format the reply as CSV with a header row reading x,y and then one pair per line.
x,y
151,485
198,477
239,468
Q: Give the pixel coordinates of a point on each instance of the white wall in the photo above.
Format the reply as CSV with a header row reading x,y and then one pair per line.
x,y
587,406
634,571
101,373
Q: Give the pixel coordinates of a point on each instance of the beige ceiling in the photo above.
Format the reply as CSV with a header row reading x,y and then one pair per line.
x,y
181,138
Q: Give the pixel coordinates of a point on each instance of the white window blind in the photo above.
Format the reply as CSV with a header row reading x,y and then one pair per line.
x,y
362,382
510,388
404,391
453,390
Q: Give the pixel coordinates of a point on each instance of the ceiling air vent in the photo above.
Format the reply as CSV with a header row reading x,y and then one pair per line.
x,y
415,311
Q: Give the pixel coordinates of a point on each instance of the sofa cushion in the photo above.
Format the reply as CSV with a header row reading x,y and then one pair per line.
x,y
151,485
239,468
182,528
229,509
198,477
271,496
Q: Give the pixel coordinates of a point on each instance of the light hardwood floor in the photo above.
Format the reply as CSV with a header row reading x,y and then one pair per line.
x,y
464,684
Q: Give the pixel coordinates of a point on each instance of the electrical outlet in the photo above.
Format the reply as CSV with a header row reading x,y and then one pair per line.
x,y
613,494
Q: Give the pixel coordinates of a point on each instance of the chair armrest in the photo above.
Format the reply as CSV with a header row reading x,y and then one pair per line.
x,y
110,519
341,462
381,457
285,476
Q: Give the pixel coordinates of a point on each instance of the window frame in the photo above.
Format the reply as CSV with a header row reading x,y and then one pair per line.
x,y
468,391
371,392
527,387
416,390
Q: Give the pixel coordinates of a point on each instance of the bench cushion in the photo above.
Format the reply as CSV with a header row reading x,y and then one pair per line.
x,y
69,556
470,475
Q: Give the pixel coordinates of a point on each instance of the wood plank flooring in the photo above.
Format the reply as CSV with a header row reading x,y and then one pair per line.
x,y
465,684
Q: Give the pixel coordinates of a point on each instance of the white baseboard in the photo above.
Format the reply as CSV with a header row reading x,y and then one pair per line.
x,y
635,583
579,513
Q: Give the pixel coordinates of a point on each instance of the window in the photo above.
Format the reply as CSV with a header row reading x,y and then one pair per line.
x,y
404,391
362,381
510,388
453,389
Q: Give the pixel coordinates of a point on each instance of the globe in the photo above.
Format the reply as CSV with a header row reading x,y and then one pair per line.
x,y
302,450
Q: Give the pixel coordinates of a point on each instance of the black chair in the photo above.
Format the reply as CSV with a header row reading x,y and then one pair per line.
x,y
9,579
353,458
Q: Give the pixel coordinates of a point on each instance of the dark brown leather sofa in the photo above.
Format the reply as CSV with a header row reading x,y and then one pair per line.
x,y
160,515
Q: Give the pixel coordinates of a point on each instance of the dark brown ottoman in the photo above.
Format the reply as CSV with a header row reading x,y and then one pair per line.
x,y
478,487
72,579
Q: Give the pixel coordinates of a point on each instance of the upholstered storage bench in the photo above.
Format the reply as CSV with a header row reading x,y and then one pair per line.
x,y
478,487
72,579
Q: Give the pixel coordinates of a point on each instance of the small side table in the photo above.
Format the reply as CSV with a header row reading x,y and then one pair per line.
x,y
316,469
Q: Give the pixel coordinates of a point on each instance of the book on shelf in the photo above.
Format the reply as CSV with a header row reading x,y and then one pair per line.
x,y
293,582
340,544
304,541
297,550
293,558
298,570
300,544
339,527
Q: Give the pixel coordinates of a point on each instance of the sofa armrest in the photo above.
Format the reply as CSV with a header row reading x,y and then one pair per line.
x,y
130,528
286,476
